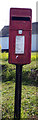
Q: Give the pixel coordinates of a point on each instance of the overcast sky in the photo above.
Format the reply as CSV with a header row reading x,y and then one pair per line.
x,y
5,6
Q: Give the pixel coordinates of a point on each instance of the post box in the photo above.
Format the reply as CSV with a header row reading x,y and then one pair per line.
x,y
20,31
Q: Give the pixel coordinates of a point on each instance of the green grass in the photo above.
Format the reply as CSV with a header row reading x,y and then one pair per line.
x,y
28,100
29,90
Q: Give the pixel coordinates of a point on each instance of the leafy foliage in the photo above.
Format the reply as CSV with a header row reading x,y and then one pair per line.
x,y
29,88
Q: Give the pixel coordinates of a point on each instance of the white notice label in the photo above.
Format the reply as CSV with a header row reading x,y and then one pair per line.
x,y
19,46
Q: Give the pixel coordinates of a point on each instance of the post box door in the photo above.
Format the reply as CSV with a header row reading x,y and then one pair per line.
x,y
24,42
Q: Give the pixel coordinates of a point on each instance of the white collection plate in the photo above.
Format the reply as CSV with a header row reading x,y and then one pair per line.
x,y
19,45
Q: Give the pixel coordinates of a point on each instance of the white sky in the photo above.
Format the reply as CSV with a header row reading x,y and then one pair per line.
x,y
5,6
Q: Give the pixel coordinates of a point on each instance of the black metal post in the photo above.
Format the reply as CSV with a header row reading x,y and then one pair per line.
x,y
17,109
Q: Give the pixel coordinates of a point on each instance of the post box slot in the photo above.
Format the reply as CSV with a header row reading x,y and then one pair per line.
x,y
21,18
23,23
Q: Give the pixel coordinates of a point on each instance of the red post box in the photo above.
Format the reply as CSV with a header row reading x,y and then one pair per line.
x,y
20,30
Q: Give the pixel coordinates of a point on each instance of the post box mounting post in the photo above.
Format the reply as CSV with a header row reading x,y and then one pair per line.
x,y
17,109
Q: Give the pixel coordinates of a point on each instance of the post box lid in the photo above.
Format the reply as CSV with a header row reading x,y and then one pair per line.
x,y
21,12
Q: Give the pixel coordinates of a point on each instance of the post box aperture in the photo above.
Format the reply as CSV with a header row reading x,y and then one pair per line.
x,y
20,31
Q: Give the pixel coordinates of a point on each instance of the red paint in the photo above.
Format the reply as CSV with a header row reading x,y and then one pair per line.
x,y
26,26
